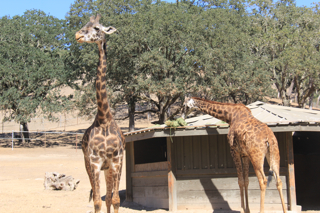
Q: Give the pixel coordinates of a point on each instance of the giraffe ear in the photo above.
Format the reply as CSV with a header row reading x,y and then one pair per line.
x,y
92,18
98,18
108,30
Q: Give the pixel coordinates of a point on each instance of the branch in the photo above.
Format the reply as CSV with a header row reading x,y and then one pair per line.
x,y
137,112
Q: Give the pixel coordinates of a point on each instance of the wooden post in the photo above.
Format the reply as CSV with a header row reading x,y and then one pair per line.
x,y
129,169
65,121
292,202
12,139
172,185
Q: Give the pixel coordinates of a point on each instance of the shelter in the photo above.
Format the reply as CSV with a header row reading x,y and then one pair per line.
x,y
191,167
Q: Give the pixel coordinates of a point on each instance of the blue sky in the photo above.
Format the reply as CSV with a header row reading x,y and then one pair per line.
x,y
59,8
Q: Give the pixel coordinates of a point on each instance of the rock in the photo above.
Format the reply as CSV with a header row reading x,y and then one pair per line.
x,y
56,181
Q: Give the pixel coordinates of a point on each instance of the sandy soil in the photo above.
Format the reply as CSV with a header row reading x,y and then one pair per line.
x,y
22,178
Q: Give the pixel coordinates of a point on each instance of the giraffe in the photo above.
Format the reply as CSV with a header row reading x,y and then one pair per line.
x,y
103,142
249,140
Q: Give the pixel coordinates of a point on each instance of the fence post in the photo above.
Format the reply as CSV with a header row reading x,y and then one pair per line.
x,y
76,142
12,139
65,121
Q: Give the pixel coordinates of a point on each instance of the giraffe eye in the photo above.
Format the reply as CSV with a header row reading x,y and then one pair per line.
x,y
96,28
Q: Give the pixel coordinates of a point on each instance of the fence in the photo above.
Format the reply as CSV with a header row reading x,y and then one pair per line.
x,y
65,122
42,136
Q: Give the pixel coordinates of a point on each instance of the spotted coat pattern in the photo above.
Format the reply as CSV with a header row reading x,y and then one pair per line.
x,y
103,143
249,140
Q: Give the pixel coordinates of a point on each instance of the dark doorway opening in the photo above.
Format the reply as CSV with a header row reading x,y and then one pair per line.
x,y
306,146
150,150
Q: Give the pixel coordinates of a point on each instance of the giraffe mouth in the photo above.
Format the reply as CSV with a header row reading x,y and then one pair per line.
x,y
80,39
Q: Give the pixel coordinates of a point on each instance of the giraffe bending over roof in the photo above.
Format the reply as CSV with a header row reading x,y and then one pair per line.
x,y
249,139
103,142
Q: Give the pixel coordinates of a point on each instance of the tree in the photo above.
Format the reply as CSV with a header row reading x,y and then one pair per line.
x,y
288,45
153,52
156,55
31,66
306,55
231,68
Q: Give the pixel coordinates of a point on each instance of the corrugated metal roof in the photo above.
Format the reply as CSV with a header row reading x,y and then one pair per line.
x,y
270,114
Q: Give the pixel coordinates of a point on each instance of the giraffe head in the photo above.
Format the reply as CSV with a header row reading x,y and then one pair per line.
x,y
93,31
190,103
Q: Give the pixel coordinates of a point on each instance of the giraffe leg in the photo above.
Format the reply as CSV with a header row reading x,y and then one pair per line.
x,y
109,182
274,166
258,168
116,182
279,187
237,161
246,163
94,177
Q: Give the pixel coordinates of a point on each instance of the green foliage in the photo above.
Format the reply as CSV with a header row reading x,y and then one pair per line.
x,y
31,65
161,52
288,45
171,123
182,122
176,123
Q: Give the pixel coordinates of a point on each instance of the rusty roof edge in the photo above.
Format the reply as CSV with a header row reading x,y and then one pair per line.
x,y
222,126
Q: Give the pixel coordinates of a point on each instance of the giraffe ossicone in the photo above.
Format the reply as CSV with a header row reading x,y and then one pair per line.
x,y
103,142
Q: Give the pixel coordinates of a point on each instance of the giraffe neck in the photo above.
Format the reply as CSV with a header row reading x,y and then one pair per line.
x,y
104,114
224,111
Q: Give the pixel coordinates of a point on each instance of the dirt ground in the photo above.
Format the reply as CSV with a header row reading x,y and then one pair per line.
x,y
22,173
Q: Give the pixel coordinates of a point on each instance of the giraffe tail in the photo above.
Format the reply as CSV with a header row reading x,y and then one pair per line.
x,y
273,150
90,197
270,177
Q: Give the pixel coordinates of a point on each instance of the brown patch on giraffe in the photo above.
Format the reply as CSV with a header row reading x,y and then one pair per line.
x,y
95,159
115,160
111,141
103,94
98,85
110,150
100,113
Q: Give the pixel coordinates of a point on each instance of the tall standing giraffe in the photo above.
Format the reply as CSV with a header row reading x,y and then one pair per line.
x,y
249,139
103,142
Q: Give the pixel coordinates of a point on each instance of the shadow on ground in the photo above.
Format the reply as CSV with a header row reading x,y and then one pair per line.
x,y
128,204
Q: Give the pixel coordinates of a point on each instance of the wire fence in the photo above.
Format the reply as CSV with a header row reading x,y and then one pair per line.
x,y
65,122
41,138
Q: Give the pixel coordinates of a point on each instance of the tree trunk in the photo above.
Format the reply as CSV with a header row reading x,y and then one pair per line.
x,y
131,111
24,133
310,101
318,99
149,108
162,114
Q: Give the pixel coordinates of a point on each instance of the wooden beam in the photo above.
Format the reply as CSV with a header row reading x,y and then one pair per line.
x,y
292,201
172,185
214,130
129,169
